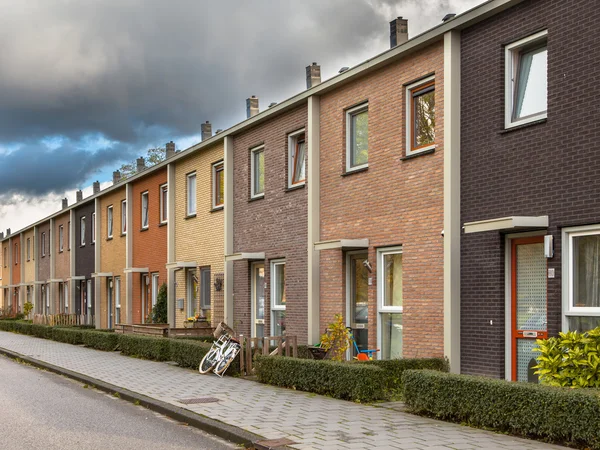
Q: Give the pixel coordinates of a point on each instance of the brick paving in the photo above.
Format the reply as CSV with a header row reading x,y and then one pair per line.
x,y
309,420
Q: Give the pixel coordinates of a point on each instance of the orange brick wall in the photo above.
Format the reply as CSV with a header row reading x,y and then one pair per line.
x,y
150,245
394,202
112,254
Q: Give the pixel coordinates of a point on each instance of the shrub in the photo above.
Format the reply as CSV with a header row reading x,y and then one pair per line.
x,y
551,413
67,335
107,342
347,381
159,311
144,347
571,360
187,353
337,339
394,368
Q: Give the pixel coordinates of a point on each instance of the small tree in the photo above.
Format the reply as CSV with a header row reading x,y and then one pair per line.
x,y
27,307
153,157
337,339
159,312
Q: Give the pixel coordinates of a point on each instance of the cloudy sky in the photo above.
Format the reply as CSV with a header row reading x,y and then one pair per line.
x,y
88,85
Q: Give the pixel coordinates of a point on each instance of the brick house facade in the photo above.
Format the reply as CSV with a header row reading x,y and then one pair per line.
x,y
59,255
274,224
85,248
547,168
43,265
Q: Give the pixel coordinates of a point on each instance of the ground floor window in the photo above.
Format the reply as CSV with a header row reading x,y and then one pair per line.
x,y
205,287
390,307
154,289
581,271
117,300
192,292
278,298
257,287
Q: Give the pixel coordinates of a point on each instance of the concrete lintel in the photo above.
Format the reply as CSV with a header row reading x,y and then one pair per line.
x,y
136,270
511,223
242,256
343,244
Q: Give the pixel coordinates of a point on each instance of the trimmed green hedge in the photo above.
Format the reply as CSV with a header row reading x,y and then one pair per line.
x,y
347,381
549,413
107,342
68,336
145,347
394,368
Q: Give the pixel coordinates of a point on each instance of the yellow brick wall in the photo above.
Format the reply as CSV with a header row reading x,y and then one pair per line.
x,y
199,239
112,253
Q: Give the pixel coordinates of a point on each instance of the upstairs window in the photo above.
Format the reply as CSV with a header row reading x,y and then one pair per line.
x,y
93,228
164,203
257,169
144,210
16,254
82,230
28,249
357,137
218,185
61,238
527,80
191,194
123,216
420,114
43,243
297,159
109,221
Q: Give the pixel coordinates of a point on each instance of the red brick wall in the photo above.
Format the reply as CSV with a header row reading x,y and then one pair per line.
x,y
150,245
394,202
276,224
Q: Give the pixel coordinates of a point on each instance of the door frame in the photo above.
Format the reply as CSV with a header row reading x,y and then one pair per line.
x,y
253,265
508,310
348,256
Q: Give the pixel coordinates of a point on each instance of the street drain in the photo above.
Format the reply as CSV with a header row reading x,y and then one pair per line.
x,y
191,401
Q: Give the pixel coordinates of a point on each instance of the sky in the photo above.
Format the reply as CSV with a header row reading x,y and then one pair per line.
x,y
86,86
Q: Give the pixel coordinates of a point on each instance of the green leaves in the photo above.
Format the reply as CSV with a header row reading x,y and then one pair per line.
x,y
570,360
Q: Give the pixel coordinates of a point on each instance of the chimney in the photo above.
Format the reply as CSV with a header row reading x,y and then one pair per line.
x,y
170,149
313,75
116,176
398,32
251,106
1,235
218,131
65,203
96,187
140,164
448,17
206,129
79,195
7,232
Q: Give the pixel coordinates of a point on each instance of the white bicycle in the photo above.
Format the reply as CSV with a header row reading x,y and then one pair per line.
x,y
223,351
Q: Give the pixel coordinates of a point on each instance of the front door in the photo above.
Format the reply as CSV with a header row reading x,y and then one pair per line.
x,y
145,288
358,301
109,295
529,304
258,300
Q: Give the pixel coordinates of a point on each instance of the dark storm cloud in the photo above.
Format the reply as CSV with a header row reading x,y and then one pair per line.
x,y
140,71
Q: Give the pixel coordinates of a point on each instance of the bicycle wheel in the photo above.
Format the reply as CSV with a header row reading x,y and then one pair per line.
x,y
208,362
227,359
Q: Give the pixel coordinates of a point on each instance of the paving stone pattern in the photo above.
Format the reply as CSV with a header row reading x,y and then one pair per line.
x,y
312,421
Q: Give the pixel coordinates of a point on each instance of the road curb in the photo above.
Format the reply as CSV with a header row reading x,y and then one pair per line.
x,y
212,426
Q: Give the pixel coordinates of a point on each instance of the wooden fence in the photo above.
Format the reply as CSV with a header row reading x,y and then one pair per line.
x,y
262,346
63,319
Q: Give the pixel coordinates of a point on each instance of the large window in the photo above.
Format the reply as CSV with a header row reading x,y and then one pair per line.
x,y
109,221
191,194
218,185
526,80
82,230
296,159
61,238
257,169
278,299
123,216
357,137
145,218
581,272
154,289
389,275
164,203
94,228
420,115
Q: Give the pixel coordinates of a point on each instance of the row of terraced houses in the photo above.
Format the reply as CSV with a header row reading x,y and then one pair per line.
x,y
442,196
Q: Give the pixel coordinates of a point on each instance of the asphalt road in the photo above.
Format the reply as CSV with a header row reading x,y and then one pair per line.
x,y
42,410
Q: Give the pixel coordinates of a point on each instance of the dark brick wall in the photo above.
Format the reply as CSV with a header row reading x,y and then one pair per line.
x,y
276,224
545,169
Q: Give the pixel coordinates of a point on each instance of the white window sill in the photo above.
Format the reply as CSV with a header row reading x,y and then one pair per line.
x,y
517,123
257,197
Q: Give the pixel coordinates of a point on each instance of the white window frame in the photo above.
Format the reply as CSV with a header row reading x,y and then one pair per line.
x,y
44,243
292,142
146,200
61,238
110,223
164,201
28,249
117,299
567,274
381,308
511,56
123,216
215,189
66,296
191,196
350,113
93,228
274,307
189,289
155,288
409,118
82,231
260,148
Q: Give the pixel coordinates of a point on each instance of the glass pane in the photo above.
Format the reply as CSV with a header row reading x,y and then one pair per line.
x,y
391,336
279,285
424,120
531,287
299,162
220,186
259,286
205,293
278,323
586,271
531,90
192,195
359,286
259,172
583,323
392,288
360,139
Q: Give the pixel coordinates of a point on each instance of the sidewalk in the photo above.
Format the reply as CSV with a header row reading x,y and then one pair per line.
x,y
308,420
